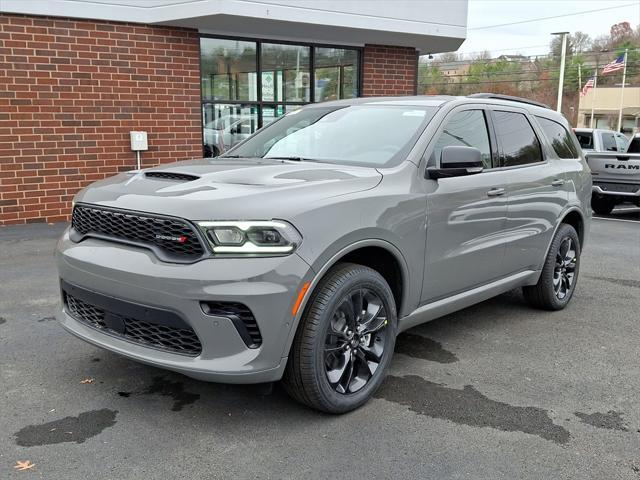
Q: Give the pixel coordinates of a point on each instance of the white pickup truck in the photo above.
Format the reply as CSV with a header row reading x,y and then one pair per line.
x,y
599,140
616,177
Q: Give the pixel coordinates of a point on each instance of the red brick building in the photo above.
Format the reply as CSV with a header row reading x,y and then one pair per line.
x,y
72,88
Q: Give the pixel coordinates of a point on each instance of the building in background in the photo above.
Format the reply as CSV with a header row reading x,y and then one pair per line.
x,y
606,106
77,76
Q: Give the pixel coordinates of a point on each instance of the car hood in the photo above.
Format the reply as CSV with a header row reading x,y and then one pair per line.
x,y
230,189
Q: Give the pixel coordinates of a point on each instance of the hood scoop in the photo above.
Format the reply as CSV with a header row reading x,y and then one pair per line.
x,y
180,177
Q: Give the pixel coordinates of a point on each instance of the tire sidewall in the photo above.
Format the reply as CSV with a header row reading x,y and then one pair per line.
x,y
364,278
565,231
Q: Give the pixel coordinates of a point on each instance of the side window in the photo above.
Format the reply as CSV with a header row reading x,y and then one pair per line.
x,y
622,142
518,141
585,139
609,142
467,129
559,137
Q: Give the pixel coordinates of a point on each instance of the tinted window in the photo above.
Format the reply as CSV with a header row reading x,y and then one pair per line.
x,y
559,137
519,143
467,129
634,146
585,139
609,142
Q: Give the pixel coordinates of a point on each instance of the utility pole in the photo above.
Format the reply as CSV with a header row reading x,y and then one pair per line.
x,y
563,57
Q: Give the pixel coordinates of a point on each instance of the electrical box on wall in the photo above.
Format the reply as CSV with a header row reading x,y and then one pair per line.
x,y
139,141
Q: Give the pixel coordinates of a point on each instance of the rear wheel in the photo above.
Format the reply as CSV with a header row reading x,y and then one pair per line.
x,y
559,274
344,342
602,205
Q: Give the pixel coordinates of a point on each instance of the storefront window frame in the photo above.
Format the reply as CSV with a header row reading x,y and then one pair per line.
x,y
260,103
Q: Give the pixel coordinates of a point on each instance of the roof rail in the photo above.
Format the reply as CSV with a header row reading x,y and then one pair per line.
x,y
511,98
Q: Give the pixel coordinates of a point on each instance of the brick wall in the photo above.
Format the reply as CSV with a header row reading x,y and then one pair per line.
x,y
70,92
389,70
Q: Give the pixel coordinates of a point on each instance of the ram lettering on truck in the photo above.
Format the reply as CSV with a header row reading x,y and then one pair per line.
x,y
616,179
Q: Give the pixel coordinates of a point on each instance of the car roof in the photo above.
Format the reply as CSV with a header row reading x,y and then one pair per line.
x,y
440,100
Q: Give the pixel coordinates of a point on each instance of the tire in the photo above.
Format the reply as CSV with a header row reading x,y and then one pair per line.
x,y
602,205
554,289
322,346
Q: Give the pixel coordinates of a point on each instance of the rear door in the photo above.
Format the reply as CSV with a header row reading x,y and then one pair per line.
x,y
536,188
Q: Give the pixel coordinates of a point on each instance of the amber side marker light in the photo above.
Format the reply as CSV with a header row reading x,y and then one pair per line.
x,y
303,290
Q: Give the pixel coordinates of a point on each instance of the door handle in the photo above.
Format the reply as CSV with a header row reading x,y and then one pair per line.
x,y
557,183
496,192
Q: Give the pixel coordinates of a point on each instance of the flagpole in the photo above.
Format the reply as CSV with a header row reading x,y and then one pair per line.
x,y
593,100
624,79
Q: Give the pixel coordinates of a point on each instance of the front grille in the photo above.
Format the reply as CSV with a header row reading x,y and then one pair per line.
x,y
163,337
242,318
172,239
617,187
172,176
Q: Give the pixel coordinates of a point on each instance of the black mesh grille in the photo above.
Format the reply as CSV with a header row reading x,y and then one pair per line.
x,y
185,177
241,317
164,337
171,238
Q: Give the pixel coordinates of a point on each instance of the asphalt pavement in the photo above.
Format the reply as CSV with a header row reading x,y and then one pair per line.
x,y
495,391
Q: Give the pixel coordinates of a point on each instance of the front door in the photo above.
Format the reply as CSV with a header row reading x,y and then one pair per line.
x,y
466,215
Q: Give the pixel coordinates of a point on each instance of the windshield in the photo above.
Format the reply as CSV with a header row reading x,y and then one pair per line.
x,y
368,135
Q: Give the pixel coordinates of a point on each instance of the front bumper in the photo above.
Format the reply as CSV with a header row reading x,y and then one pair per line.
x,y
268,286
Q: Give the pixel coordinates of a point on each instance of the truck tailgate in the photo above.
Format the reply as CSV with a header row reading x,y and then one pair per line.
x,y
614,167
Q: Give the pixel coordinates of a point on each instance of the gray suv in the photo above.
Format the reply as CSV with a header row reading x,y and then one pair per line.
x,y
302,252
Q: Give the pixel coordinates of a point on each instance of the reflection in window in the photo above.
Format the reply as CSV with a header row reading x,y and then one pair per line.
x,y
225,125
336,74
285,73
520,146
465,129
559,137
228,69
272,112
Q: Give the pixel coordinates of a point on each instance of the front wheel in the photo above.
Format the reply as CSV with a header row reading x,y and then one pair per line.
x,y
559,274
344,342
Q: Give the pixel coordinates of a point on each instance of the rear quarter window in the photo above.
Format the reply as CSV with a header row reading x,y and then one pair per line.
x,y
559,137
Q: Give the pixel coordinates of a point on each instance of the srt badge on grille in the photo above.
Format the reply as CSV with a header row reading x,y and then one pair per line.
x,y
180,239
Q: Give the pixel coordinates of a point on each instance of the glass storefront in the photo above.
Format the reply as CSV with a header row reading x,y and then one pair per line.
x,y
248,84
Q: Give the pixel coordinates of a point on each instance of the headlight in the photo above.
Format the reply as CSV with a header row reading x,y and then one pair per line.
x,y
274,237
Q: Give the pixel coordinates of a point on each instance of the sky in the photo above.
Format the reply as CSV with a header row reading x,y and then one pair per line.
x,y
533,38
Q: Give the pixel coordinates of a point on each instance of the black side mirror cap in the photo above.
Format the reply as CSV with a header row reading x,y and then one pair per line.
x,y
456,161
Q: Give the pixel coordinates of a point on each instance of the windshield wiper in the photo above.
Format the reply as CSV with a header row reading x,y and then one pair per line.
x,y
228,156
293,157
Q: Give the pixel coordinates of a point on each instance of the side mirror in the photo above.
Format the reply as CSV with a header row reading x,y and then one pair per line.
x,y
456,161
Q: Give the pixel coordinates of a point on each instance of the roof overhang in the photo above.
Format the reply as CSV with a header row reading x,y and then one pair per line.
x,y
431,27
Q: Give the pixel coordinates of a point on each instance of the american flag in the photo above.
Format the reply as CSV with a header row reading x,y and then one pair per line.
x,y
617,64
588,86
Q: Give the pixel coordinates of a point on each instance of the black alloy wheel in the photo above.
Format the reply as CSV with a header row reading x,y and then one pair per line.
x,y
355,341
565,269
559,276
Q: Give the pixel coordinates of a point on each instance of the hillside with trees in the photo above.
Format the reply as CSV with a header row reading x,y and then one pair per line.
x,y
536,77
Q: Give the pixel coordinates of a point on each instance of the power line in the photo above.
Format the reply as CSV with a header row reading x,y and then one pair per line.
x,y
438,61
553,17
543,70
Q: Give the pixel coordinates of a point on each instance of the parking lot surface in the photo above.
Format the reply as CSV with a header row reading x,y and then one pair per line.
x,y
497,390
